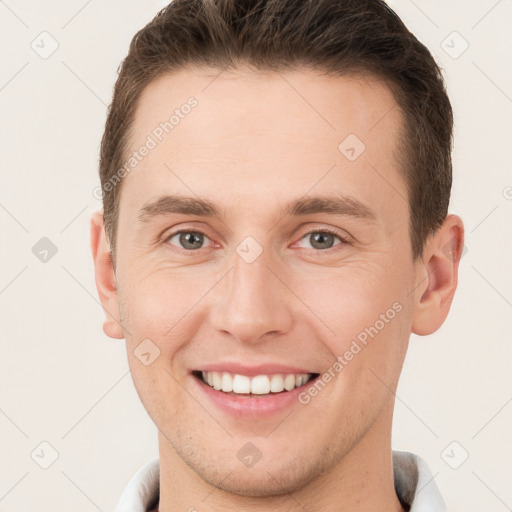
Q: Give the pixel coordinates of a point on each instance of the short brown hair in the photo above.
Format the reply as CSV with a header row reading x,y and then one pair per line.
x,y
329,36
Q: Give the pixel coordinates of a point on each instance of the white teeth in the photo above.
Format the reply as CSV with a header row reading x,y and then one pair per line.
x,y
276,384
258,385
227,382
217,381
302,380
241,384
289,382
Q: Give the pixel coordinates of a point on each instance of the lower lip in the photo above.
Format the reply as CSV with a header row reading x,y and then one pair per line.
x,y
247,406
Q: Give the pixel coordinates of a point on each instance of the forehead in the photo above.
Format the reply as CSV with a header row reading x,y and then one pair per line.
x,y
247,134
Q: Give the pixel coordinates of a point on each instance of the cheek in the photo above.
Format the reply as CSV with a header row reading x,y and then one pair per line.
x,y
369,312
161,310
154,303
353,298
154,311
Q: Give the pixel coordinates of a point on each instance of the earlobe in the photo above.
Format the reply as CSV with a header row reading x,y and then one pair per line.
x,y
437,276
105,277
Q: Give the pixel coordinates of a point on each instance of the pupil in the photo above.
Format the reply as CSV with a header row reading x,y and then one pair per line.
x,y
321,239
188,239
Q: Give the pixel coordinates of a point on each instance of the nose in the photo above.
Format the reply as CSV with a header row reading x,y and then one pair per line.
x,y
251,303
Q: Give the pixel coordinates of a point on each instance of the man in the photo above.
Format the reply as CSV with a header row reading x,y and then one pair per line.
x,y
276,180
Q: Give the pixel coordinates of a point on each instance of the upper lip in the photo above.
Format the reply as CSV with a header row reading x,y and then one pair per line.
x,y
252,370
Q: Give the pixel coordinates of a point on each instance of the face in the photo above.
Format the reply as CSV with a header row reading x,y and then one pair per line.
x,y
298,262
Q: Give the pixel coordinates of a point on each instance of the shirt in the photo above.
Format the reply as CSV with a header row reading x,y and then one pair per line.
x,y
414,486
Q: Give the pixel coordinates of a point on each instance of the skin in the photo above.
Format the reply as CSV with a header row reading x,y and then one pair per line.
x,y
250,146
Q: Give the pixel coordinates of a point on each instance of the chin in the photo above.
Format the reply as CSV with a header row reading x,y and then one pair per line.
x,y
260,481
266,478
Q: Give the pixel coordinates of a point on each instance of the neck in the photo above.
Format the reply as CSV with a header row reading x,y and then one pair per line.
x,y
361,481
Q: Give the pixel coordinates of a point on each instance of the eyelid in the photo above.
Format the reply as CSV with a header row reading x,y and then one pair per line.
x,y
315,228
345,239
166,237
184,227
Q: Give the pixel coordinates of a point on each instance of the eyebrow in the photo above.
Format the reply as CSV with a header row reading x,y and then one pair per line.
x,y
188,205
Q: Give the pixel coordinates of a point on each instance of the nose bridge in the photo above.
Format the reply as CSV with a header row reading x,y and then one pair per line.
x,y
250,302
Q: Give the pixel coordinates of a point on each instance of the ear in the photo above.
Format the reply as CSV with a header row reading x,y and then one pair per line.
x,y
437,275
105,277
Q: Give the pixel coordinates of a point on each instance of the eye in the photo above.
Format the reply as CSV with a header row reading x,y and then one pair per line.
x,y
323,239
192,240
189,240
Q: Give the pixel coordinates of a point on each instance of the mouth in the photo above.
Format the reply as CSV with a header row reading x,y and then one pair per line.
x,y
261,386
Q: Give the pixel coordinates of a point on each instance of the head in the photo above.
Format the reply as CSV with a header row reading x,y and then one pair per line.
x,y
307,147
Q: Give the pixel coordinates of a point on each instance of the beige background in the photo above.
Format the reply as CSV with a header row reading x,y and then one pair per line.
x,y
65,383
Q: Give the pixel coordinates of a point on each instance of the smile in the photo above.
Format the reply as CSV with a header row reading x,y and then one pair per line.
x,y
252,392
234,383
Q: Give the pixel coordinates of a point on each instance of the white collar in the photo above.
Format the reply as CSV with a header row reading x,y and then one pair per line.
x,y
414,484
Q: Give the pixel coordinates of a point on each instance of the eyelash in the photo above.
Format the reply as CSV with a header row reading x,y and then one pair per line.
x,y
343,240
